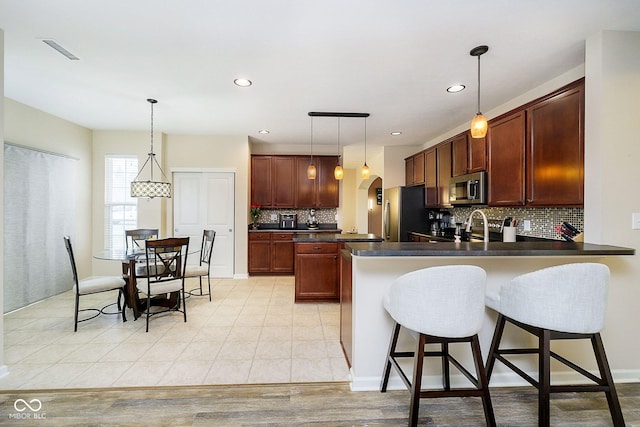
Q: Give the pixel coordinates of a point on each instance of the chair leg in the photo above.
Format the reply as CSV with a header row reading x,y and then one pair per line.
x,y
495,345
209,283
184,303
544,373
148,310
446,371
392,349
605,374
483,382
75,327
121,307
416,384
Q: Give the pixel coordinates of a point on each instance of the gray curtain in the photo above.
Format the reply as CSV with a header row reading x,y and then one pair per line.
x,y
39,208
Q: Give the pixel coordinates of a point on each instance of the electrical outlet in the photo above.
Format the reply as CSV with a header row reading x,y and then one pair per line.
x,y
526,225
635,221
274,217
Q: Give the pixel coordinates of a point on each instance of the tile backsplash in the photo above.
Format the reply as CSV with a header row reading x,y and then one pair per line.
x,y
324,216
543,220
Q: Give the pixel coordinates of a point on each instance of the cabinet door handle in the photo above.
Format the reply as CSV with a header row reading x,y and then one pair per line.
x,y
316,248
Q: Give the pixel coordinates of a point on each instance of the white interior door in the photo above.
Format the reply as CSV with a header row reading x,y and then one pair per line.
x,y
205,200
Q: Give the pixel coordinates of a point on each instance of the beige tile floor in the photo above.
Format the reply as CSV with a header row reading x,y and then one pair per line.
x,y
252,332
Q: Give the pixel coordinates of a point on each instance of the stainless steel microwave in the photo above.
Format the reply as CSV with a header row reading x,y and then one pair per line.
x,y
470,189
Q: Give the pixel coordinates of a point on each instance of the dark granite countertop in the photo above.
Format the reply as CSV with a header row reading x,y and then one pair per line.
x,y
274,228
450,249
326,237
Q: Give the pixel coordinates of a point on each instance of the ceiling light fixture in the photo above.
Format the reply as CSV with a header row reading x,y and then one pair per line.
x,y
263,132
479,123
151,188
396,133
311,169
365,172
243,82
455,88
338,172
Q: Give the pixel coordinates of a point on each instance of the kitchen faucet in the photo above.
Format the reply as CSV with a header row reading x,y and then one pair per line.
x,y
486,224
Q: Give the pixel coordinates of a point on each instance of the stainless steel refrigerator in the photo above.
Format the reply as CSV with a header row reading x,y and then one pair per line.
x,y
404,212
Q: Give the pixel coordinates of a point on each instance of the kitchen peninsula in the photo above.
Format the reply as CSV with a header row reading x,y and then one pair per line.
x,y
368,269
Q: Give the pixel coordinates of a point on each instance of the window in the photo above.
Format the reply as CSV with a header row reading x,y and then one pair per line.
x,y
120,209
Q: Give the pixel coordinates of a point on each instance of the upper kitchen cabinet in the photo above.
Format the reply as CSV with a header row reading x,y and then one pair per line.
x,y
273,181
281,182
431,178
506,146
536,153
555,150
415,169
443,156
469,154
322,192
261,182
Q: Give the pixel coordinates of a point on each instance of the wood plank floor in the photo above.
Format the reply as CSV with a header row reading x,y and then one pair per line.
x,y
301,404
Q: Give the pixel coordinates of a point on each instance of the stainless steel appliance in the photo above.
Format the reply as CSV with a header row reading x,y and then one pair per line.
x,y
404,212
467,190
288,221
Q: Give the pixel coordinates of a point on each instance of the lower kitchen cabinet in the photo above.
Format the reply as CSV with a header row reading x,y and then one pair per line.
x,y
346,306
316,271
271,253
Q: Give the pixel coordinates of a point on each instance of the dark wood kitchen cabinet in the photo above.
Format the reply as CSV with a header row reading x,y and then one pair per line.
x,y
477,154
408,171
469,154
443,154
272,181
506,147
555,150
316,271
431,178
281,182
322,192
271,253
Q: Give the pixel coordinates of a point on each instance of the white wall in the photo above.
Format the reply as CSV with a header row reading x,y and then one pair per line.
x,y
612,155
3,367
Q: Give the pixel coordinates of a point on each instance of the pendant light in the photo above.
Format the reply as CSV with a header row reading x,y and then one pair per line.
x,y
150,188
311,169
479,123
365,172
338,172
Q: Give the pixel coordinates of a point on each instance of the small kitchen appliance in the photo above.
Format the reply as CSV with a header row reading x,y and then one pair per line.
x,y
313,221
288,221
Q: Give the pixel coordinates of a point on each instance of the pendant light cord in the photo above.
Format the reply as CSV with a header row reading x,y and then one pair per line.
x,y
479,84
338,141
151,152
311,162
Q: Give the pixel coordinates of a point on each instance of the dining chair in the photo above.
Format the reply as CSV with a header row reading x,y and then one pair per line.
x,y
438,305
165,265
93,285
134,242
204,268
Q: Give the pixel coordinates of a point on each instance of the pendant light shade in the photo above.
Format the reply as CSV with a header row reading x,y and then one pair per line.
x,y
311,169
365,171
150,188
338,172
479,124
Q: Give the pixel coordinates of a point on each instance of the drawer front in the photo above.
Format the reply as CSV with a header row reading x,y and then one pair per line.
x,y
259,236
282,236
316,248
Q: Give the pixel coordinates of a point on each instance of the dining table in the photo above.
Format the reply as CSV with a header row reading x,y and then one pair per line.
x,y
128,260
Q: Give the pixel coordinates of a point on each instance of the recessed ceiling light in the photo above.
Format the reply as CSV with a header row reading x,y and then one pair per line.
x,y
455,88
242,82
396,133
263,131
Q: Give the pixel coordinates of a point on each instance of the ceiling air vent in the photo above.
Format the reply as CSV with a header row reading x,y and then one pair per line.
x,y
55,45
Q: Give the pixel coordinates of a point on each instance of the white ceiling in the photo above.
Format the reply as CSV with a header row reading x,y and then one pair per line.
x,y
390,58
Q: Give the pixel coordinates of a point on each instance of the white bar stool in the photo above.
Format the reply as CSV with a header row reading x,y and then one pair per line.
x,y
440,305
566,302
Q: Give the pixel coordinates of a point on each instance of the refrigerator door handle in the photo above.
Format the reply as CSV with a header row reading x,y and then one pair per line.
x,y
387,219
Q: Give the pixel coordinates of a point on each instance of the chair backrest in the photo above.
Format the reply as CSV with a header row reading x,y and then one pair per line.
x,y
135,238
445,301
208,237
166,259
567,298
67,244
